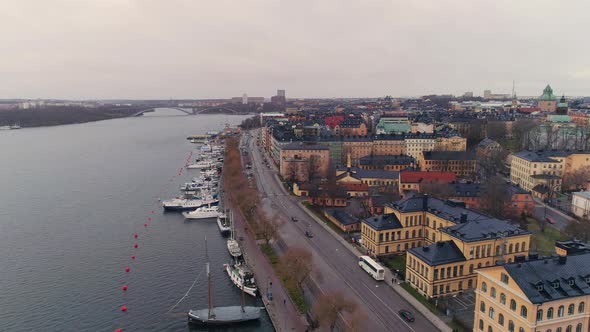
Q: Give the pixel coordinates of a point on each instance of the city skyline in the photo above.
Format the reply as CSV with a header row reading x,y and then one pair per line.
x,y
221,49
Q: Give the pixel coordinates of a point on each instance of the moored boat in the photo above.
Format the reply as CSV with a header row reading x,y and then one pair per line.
x,y
204,212
242,277
234,248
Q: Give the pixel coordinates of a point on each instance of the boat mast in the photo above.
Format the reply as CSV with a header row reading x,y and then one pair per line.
x,y
210,300
243,294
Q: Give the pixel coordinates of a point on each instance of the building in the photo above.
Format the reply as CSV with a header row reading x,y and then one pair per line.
x,y
302,162
281,93
487,148
342,220
417,143
462,163
386,162
471,194
445,242
562,106
581,204
393,125
451,142
351,127
539,172
538,294
410,181
346,176
547,101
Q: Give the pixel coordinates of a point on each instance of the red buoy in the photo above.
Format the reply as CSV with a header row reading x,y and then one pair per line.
x,y
118,330
124,287
133,257
149,218
144,225
135,235
135,245
123,308
127,269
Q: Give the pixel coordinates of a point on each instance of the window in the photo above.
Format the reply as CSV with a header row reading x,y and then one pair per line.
x,y
560,311
491,313
581,308
484,287
570,309
502,298
558,329
550,313
510,326
568,328
579,327
523,246
490,328
523,311
482,306
539,315
501,319
510,248
504,278
461,270
470,268
516,247
481,325
493,292
512,305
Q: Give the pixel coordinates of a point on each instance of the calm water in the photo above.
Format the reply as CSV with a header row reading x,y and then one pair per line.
x,y
71,198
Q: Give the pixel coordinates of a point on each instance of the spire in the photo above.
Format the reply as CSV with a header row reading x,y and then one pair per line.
x,y
348,161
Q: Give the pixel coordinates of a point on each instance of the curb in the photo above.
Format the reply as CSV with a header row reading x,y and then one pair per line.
x,y
439,323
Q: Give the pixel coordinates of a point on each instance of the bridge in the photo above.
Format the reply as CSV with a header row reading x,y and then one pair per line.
x,y
194,110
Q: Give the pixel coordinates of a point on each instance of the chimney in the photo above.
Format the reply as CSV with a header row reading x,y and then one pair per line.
x,y
463,217
425,202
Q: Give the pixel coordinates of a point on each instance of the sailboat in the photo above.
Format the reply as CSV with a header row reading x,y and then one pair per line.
x,y
232,245
221,315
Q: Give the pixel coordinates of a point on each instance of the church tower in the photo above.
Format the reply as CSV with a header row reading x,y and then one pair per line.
x,y
548,101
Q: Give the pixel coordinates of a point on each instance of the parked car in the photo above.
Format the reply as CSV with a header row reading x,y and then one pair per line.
x,y
309,234
294,219
406,315
550,220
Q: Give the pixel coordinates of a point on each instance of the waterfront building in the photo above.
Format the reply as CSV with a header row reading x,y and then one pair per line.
x,y
535,294
462,163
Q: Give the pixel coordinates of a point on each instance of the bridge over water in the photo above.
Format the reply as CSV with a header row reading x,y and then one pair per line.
x,y
193,110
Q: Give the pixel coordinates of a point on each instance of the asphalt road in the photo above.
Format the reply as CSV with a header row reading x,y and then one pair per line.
x,y
561,219
335,267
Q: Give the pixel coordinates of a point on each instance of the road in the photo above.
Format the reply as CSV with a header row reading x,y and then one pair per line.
x,y
560,218
335,267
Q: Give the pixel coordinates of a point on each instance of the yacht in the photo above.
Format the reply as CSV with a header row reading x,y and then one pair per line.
x,y
234,248
183,204
201,164
204,212
242,277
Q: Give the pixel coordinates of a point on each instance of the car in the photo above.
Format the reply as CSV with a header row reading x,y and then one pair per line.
x,y
293,219
550,220
406,315
309,234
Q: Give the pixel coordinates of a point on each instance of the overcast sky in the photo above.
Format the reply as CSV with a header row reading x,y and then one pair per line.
x,y
85,49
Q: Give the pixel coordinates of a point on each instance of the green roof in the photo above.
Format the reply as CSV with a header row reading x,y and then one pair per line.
x,y
560,118
548,94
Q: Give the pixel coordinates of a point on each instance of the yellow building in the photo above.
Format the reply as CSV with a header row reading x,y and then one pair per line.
x,y
445,242
548,294
450,143
538,172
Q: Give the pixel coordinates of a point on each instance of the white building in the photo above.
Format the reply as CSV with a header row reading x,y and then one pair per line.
x,y
581,204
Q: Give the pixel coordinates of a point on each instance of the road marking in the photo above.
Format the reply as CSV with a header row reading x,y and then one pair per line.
x,y
388,307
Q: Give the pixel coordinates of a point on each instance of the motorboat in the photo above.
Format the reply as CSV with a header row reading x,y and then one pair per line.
x,y
204,212
223,223
242,277
184,204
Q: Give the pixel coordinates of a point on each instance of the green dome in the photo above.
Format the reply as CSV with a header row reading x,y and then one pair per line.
x,y
548,94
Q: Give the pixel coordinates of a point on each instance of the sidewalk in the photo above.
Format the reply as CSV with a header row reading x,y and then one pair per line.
x,y
281,309
439,323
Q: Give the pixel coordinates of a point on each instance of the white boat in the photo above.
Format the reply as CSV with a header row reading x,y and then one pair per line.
x,y
206,147
223,223
242,277
204,212
201,164
183,204
234,248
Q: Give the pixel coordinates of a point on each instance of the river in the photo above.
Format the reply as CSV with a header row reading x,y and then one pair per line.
x,y
71,199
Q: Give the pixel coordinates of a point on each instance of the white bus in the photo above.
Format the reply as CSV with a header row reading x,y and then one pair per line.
x,y
372,268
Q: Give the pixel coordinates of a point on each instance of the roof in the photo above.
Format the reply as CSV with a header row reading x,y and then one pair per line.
x,y
359,173
443,252
448,155
417,176
466,189
542,156
531,275
342,216
304,146
548,94
470,225
585,194
486,142
383,222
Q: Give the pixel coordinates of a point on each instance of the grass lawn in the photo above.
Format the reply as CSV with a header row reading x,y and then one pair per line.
x,y
318,212
544,241
419,297
396,263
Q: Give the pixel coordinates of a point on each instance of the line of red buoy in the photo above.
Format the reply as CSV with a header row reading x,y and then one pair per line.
x,y
145,225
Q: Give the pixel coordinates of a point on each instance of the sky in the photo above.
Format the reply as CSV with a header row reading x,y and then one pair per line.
x,y
195,49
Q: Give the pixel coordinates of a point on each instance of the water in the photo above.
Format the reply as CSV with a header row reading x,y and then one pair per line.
x,y
71,198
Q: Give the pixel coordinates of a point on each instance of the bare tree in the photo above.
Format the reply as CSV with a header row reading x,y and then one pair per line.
x,y
437,189
495,197
496,130
492,163
329,306
296,265
578,230
577,179
266,228
520,132
357,321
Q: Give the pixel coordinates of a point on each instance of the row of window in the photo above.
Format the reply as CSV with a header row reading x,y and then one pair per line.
x,y
437,289
511,327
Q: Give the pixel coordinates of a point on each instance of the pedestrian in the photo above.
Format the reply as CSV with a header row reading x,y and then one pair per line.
x,y
285,301
392,280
